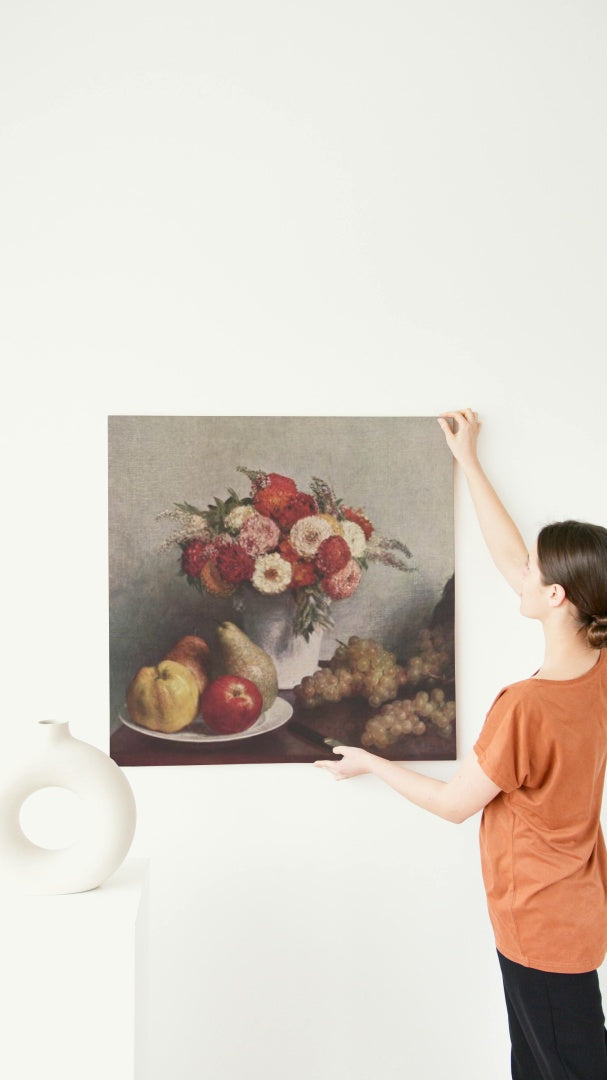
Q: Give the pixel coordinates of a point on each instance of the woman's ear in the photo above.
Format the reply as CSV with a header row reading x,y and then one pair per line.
x,y
557,595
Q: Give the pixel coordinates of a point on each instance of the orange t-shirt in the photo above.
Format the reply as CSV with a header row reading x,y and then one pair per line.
x,y
543,855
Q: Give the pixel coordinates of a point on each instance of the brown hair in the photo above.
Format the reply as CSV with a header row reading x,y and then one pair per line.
x,y
574,554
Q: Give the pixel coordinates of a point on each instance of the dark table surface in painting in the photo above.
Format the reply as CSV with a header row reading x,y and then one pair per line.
x,y
344,720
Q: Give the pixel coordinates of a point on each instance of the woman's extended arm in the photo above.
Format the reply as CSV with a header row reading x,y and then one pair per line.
x,y
455,800
506,545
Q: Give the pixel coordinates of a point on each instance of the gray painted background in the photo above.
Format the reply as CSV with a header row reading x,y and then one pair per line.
x,y
398,469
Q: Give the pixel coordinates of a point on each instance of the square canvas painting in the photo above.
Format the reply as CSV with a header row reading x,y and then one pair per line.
x,y
279,584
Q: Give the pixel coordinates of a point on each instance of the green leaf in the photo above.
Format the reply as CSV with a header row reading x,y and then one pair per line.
x,y
313,610
187,508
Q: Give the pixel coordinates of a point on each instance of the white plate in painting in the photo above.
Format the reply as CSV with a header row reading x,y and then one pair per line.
x,y
275,717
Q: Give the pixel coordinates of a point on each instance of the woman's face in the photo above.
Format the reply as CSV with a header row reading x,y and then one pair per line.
x,y
534,593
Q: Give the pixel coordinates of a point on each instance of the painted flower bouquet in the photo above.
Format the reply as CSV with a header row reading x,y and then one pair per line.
x,y
278,539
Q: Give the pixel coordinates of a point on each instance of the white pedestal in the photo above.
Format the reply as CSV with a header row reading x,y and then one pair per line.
x,y
73,981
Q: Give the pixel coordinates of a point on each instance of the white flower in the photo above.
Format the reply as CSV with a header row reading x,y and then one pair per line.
x,y
272,574
308,533
237,517
355,538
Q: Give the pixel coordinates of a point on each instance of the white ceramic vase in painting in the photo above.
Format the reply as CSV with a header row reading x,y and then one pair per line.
x,y
108,811
268,621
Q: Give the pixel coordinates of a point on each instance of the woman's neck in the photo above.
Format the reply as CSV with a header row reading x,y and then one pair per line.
x,y
567,655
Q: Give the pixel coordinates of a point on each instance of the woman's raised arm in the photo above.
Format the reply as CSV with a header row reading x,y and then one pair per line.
x,y
504,541
454,800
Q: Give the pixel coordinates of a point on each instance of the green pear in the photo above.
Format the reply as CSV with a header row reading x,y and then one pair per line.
x,y
236,654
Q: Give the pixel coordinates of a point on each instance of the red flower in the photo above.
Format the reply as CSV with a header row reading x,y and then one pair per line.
x,y
297,506
234,564
303,574
276,481
332,555
360,519
303,570
213,581
273,493
269,501
287,551
194,556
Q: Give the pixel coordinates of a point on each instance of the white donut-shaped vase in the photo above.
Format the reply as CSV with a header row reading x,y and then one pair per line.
x,y
108,806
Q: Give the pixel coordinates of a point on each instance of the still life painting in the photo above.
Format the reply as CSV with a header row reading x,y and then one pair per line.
x,y
280,585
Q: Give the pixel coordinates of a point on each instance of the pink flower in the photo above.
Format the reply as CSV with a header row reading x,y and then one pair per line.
x,y
344,582
259,534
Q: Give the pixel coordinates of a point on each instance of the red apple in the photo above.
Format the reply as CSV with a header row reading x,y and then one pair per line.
x,y
230,704
194,653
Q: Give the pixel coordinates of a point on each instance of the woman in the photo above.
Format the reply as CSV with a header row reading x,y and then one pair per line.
x,y
537,772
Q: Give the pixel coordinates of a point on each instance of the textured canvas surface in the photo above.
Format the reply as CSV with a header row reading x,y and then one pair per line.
x,y
396,469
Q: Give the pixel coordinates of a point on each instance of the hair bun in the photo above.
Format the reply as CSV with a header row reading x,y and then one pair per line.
x,y
597,632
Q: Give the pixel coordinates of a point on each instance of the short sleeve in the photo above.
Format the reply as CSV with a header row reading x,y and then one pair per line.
x,y
502,748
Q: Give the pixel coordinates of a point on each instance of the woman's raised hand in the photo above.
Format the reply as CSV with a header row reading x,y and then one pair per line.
x,y
462,437
505,543
354,762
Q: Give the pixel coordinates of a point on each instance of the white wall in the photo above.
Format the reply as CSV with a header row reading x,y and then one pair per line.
x,y
319,208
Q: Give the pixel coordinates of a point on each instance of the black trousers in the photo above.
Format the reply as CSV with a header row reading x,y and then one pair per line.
x,y
556,1021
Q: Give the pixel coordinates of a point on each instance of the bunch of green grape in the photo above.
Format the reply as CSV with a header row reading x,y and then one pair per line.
x,y
362,667
409,716
434,659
